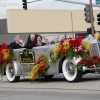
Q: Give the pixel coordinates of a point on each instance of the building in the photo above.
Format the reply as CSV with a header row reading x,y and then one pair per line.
x,y
46,22
3,26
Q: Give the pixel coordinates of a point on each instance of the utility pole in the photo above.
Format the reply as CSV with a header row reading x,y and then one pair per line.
x,y
75,2
92,18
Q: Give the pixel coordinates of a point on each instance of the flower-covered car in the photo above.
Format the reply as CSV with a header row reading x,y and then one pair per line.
x,y
72,57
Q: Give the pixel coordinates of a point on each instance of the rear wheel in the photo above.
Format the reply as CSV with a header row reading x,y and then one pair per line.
x,y
10,73
70,73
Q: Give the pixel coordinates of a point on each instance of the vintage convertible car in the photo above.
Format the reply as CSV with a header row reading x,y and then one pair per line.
x,y
60,66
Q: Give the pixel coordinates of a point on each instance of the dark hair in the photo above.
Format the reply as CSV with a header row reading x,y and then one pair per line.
x,y
39,36
52,42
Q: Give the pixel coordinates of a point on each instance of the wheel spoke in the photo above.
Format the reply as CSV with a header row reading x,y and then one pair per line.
x,y
70,69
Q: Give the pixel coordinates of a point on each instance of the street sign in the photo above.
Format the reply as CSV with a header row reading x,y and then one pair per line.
x,y
97,2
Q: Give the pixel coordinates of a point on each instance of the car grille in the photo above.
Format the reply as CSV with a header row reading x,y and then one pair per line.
x,y
95,49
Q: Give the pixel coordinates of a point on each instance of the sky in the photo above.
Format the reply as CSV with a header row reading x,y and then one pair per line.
x,y
41,5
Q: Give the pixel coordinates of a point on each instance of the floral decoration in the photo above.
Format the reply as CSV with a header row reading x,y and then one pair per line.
x,y
97,36
40,68
74,47
89,62
6,56
70,48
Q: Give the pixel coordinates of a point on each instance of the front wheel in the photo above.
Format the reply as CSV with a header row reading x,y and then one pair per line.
x,y
10,74
70,73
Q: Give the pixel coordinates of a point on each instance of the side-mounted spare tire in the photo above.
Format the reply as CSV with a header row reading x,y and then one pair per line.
x,y
70,73
10,74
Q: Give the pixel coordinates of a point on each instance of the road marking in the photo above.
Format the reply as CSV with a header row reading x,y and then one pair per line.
x,y
51,89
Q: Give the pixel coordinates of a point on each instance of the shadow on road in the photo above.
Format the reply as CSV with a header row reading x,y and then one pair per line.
x,y
84,79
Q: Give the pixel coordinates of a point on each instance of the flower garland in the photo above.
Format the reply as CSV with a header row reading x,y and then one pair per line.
x,y
40,68
89,62
70,48
97,36
6,56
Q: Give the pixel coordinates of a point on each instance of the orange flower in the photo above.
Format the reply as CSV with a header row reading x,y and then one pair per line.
x,y
41,63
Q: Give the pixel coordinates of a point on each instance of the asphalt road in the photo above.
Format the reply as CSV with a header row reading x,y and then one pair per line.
x,y
56,88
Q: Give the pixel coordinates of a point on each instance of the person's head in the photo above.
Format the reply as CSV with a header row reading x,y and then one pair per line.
x,y
17,39
56,39
32,37
39,38
18,36
52,42
62,38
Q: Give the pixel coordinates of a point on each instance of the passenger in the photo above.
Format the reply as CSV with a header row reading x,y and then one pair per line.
x,y
18,43
52,42
22,42
62,38
31,42
56,39
39,41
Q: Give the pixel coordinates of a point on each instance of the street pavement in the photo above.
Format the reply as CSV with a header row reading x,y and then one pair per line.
x,y
56,88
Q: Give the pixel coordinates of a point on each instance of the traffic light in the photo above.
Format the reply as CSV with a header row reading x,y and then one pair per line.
x,y
98,19
87,13
24,4
89,31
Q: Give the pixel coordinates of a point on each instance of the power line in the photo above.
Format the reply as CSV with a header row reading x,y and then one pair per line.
x,y
34,1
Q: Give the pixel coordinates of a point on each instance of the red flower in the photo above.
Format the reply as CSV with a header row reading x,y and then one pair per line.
x,y
4,45
94,57
90,63
42,68
41,58
81,61
63,50
79,38
1,60
98,60
62,42
76,42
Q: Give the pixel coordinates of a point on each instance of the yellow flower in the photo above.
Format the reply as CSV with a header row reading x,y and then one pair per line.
x,y
97,36
34,71
66,45
6,55
86,45
56,51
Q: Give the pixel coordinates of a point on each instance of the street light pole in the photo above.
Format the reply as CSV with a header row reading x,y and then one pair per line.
x,y
81,3
92,18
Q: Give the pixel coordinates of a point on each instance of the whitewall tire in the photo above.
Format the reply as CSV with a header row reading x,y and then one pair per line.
x,y
10,74
71,74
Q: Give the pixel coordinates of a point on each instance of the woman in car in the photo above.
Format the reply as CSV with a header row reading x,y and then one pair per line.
x,y
39,41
